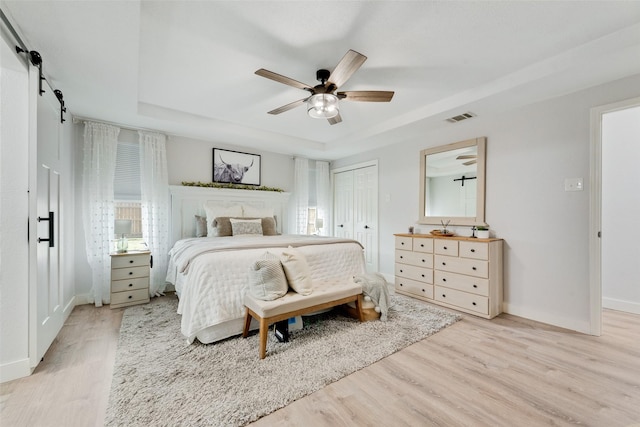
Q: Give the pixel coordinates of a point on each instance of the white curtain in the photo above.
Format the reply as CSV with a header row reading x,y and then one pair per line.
x,y
154,186
323,197
99,166
300,197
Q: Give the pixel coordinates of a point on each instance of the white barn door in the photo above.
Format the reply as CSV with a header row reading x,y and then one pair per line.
x,y
47,307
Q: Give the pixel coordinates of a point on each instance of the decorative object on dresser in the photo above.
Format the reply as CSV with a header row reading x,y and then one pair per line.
x,y
130,278
122,228
482,232
461,273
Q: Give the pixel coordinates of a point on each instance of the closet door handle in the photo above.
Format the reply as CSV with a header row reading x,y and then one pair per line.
x,y
341,225
366,226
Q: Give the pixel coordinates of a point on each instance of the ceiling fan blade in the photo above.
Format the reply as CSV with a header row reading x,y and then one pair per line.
x,y
348,65
466,156
288,107
335,120
470,162
366,95
283,79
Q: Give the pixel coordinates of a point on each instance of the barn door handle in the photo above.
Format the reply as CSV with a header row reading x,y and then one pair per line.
x,y
51,224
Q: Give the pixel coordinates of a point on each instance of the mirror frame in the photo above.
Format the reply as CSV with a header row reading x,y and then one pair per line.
x,y
481,144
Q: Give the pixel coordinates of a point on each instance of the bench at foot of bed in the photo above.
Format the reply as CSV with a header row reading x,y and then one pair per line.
x,y
325,295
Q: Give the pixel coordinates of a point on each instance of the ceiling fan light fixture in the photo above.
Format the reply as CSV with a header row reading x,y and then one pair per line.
x,y
322,106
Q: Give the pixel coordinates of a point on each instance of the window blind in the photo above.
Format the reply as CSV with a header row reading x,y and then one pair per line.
x,y
126,185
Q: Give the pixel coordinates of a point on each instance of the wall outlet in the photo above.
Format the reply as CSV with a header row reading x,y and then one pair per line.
x,y
573,184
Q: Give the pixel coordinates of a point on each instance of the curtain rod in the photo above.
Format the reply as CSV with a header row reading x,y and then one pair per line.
x,y
78,119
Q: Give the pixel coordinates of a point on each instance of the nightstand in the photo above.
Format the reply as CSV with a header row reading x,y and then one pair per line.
x,y
130,278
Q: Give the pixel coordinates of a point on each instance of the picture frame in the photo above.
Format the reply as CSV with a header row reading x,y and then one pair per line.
x,y
235,167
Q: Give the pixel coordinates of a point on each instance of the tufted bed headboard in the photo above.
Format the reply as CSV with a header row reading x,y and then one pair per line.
x,y
186,202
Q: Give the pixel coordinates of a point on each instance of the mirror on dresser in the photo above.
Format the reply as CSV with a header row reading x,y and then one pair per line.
x,y
452,183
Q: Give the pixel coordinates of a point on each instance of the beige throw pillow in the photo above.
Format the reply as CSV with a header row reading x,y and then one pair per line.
x,y
297,271
266,278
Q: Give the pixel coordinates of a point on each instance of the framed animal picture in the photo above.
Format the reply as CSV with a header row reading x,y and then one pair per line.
x,y
234,167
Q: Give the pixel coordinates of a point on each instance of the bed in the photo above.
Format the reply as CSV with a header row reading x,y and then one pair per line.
x,y
210,273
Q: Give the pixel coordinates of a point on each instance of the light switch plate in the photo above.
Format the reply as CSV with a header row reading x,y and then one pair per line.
x,y
573,184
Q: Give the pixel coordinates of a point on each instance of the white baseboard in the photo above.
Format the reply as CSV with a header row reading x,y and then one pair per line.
x,y
83,299
578,325
14,370
621,305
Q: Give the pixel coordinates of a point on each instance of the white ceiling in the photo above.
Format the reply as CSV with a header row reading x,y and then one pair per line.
x,y
187,67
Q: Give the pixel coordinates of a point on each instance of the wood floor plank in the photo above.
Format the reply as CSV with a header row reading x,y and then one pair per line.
x,y
501,372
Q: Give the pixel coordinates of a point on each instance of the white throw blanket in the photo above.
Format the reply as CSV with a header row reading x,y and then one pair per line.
x,y
375,286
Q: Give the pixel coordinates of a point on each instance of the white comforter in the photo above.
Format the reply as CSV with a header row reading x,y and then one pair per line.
x,y
213,273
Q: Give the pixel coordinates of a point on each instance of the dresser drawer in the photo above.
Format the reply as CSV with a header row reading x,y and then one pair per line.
x,y
470,267
122,261
414,287
461,282
445,247
475,250
423,244
463,300
414,258
129,273
416,273
130,285
139,295
405,243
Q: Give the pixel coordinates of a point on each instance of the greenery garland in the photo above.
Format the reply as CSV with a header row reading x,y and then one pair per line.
x,y
232,186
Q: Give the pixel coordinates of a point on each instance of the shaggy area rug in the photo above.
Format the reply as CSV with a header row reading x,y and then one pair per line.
x,y
160,380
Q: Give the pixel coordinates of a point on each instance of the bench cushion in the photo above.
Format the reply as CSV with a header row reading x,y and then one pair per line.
x,y
323,291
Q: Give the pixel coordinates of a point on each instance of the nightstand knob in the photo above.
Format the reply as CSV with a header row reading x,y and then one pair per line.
x,y
475,286
130,273
423,290
401,257
473,250
473,268
445,248
444,296
130,284
422,245
444,279
473,303
422,275
130,261
444,263
131,296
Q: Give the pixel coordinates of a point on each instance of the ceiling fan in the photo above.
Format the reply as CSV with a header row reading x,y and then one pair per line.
x,y
323,101
473,158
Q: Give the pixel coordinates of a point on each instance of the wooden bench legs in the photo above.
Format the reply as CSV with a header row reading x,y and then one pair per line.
x,y
265,322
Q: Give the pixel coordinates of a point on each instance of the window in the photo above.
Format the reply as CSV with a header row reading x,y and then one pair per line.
x,y
311,221
126,187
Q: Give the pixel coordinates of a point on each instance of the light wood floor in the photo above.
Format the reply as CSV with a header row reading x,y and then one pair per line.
x,y
504,372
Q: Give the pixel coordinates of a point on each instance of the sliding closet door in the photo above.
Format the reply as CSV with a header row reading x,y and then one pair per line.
x,y
47,314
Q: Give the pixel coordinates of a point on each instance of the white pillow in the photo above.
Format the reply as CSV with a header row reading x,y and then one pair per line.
x,y
297,271
266,278
213,211
241,227
253,212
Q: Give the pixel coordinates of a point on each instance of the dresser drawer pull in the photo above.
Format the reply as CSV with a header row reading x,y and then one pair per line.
x,y
423,290
401,257
130,284
475,286
445,248
473,303
130,273
130,261
422,245
401,284
401,271
422,275
473,250
473,268
444,296
444,279
402,243
444,263
424,261
130,296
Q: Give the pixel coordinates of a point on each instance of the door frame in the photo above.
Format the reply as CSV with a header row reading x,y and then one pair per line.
x,y
595,210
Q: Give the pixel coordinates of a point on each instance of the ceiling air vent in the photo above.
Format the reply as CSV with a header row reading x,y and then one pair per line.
x,y
460,117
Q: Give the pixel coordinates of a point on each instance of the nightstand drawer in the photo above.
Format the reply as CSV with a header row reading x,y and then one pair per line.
x,y
137,296
129,273
124,261
464,300
130,285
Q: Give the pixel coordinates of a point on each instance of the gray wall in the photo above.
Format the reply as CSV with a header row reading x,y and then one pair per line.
x,y
530,151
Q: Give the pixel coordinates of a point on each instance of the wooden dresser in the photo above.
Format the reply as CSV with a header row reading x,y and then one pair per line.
x,y
130,278
461,273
